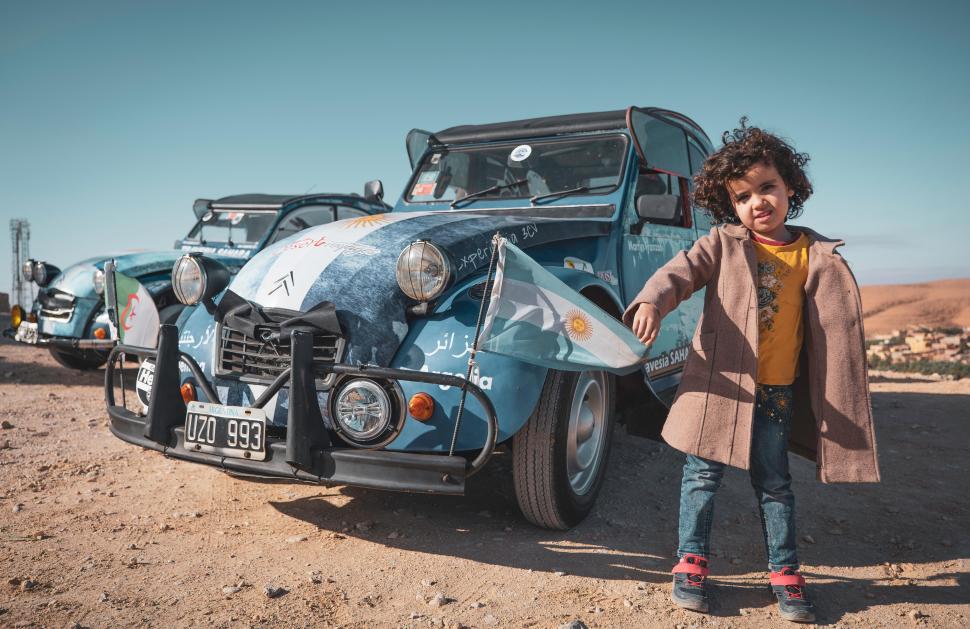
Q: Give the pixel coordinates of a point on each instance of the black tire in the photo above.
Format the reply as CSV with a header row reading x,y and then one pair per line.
x,y
83,359
543,488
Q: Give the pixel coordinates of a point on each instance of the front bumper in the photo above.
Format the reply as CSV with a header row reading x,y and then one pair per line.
x,y
305,452
62,342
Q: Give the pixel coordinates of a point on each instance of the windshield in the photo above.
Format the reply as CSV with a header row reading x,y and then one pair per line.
x,y
519,170
238,227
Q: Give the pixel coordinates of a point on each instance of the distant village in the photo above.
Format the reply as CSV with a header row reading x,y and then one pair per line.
x,y
940,350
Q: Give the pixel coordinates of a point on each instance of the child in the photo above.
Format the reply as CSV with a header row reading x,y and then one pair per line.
x,y
778,358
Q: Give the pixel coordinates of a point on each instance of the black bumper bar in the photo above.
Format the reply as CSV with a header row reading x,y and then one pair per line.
x,y
306,452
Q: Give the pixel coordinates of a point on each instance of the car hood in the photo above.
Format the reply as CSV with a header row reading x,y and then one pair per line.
x,y
77,278
352,264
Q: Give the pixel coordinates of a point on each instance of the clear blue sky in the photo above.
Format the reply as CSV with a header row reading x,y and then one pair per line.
x,y
116,115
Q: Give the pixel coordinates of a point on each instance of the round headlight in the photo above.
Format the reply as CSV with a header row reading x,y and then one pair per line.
x,y
28,270
423,271
362,411
188,280
98,279
16,316
44,273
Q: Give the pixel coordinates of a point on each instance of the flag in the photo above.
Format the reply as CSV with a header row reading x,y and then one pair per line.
x,y
534,317
137,314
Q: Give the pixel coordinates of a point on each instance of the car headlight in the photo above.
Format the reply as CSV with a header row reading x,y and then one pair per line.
x,y
16,316
196,278
28,270
98,279
423,271
362,412
43,273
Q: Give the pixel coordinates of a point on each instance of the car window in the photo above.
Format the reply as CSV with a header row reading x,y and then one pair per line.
x,y
519,169
308,216
660,144
663,190
238,227
349,212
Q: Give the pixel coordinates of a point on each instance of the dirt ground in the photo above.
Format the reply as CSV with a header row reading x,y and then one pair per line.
x,y
98,533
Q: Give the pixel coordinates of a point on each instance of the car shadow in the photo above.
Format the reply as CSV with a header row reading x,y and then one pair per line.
x,y
34,365
915,516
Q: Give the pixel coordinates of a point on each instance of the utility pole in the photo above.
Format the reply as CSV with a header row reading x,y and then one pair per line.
x,y
21,290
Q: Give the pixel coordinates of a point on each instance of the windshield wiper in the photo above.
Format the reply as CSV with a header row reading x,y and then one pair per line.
x,y
565,193
495,188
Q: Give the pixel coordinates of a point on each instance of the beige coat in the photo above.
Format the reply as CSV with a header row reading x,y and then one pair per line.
x,y
713,411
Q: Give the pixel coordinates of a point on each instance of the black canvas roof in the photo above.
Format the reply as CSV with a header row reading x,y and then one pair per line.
x,y
534,127
265,200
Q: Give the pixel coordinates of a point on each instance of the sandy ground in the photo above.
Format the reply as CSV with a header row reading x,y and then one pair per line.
x,y
97,533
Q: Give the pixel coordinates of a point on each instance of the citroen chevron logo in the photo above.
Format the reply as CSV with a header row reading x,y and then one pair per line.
x,y
285,283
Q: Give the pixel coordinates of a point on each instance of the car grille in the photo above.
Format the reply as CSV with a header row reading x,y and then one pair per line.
x,y
56,304
255,360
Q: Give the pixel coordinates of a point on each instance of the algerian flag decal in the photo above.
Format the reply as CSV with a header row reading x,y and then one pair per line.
x,y
137,314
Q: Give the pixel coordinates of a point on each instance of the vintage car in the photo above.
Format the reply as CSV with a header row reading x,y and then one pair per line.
x,y
340,355
68,316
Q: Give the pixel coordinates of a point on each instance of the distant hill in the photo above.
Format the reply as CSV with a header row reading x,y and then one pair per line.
x,y
943,303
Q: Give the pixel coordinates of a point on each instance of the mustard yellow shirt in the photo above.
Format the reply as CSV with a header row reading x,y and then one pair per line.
x,y
782,271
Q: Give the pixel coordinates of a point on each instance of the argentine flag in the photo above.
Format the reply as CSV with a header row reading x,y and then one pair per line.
x,y
536,318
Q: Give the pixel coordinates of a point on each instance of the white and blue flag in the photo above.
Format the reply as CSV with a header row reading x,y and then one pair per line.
x,y
534,317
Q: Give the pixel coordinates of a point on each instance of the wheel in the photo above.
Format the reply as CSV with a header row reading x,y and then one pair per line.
x,y
83,359
559,457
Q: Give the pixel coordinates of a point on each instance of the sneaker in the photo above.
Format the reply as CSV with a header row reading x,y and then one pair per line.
x,y
788,586
690,583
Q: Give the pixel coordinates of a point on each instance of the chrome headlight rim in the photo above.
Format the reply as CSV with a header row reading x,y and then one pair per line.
x,y
178,272
405,274
98,279
27,270
390,429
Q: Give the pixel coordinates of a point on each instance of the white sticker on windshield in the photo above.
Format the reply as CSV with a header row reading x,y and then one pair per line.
x,y
521,152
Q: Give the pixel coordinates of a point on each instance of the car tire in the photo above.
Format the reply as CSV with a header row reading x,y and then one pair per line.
x,y
559,457
83,359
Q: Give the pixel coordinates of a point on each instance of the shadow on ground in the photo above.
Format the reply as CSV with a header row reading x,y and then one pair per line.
x,y
917,515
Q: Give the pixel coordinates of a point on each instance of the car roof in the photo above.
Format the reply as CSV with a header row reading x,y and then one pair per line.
x,y
552,125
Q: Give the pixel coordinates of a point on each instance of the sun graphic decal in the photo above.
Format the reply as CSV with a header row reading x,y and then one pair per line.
x,y
371,220
579,327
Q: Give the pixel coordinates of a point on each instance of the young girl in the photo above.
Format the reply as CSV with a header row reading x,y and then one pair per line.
x,y
778,358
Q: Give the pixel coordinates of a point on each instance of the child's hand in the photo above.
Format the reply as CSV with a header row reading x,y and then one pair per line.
x,y
646,323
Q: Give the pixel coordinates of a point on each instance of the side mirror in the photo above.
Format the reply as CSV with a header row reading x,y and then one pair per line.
x,y
374,190
660,208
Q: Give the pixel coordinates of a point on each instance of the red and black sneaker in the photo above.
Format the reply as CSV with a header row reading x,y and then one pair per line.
x,y
690,583
788,586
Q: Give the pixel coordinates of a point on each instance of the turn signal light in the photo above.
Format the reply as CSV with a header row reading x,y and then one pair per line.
x,y
16,317
421,407
100,334
188,392
32,317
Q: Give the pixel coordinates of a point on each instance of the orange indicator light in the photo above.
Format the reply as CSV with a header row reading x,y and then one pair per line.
x,y
421,407
99,333
188,392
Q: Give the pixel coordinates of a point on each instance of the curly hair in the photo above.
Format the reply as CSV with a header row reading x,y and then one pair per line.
x,y
744,148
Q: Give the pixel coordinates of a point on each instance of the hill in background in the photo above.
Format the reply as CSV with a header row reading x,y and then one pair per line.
x,y
943,303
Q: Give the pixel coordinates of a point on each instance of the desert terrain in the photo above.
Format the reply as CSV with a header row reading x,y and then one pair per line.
x,y
943,303
98,533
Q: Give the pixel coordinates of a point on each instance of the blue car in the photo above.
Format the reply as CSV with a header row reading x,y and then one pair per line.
x,y
339,355
68,316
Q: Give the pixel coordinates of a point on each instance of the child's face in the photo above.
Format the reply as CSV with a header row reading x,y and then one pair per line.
x,y
760,199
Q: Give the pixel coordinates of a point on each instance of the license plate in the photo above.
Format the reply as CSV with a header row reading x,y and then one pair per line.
x,y
234,431
26,333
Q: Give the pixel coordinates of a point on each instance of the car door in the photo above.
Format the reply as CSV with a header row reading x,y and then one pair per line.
x,y
663,227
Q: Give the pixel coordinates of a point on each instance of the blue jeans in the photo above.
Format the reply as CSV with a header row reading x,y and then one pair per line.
x,y
769,478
